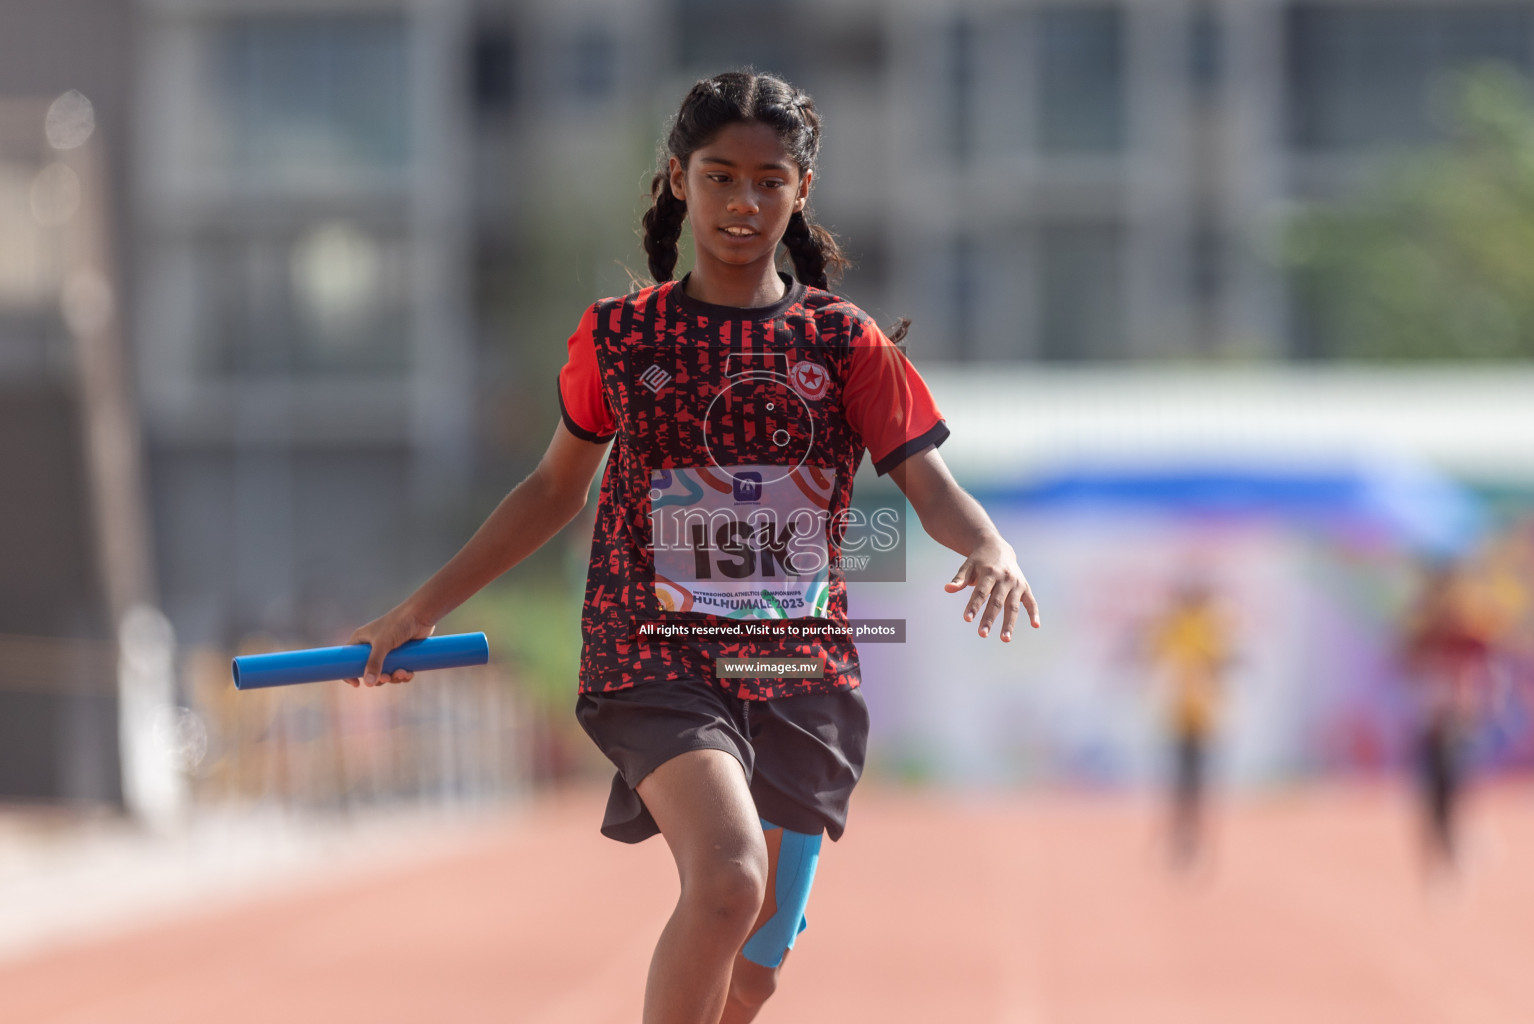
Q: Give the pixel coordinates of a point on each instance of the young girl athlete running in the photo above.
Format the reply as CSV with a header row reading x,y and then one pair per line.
x,y
738,402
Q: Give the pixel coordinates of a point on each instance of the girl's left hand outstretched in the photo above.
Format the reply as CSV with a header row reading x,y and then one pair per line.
x,y
955,519
1000,588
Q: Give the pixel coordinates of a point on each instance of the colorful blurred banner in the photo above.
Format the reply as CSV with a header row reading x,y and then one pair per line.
x,y
1304,514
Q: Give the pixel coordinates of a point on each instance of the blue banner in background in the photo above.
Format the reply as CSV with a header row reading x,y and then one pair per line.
x,y
1404,503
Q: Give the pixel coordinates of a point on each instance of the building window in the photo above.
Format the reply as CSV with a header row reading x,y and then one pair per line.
x,y
763,34
284,94
1206,48
493,70
964,295
1081,292
593,63
1082,105
1365,77
1208,261
958,113
325,296
853,49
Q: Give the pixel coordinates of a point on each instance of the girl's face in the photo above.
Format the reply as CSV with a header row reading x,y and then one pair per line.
x,y
740,190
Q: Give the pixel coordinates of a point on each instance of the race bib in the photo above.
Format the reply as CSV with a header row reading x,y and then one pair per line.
x,y
742,542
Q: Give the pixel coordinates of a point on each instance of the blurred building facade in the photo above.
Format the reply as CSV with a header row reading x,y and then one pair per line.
x,y
54,618
76,551
364,228
303,358
354,233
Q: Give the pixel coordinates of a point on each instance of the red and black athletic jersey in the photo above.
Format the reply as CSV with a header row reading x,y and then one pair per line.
x,y
738,433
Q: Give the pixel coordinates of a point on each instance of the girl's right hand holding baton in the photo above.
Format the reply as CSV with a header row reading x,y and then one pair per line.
x,y
535,510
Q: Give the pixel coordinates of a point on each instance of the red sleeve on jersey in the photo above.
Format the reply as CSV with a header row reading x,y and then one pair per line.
x,y
582,403
888,403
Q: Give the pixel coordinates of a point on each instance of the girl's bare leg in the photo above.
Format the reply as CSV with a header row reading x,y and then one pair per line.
x,y
750,983
704,809
750,986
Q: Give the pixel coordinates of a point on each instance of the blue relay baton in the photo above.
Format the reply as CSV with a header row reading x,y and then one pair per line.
x,y
320,664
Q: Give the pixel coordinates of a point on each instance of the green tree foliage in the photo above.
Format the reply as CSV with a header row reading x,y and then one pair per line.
x,y
1435,260
534,622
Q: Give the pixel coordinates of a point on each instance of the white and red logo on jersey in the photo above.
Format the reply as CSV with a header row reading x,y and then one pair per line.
x,y
809,379
654,378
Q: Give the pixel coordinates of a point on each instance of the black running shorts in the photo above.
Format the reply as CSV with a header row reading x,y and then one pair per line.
x,y
802,754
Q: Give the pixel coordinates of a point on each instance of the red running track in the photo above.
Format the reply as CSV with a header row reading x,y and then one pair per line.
x,y
1044,909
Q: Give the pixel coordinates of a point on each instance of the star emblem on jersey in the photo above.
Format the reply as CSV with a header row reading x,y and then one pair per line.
x,y
810,379
654,378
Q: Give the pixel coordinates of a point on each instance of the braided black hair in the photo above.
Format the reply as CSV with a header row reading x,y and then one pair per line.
x,y
737,97
663,227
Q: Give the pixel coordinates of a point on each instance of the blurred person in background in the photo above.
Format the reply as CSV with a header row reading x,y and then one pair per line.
x,y
740,775
1190,646
1448,654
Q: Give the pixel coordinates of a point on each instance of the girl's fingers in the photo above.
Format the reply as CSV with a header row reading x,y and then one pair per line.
x,y
999,592
383,636
1030,603
1021,599
999,599
370,675
1009,619
978,599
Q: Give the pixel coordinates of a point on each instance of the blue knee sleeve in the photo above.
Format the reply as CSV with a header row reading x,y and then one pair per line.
x,y
798,854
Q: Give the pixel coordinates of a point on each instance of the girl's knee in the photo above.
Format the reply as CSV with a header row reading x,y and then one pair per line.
x,y
728,890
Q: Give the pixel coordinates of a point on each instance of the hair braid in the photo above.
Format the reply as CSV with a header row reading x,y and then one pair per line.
x,y
663,228
817,258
